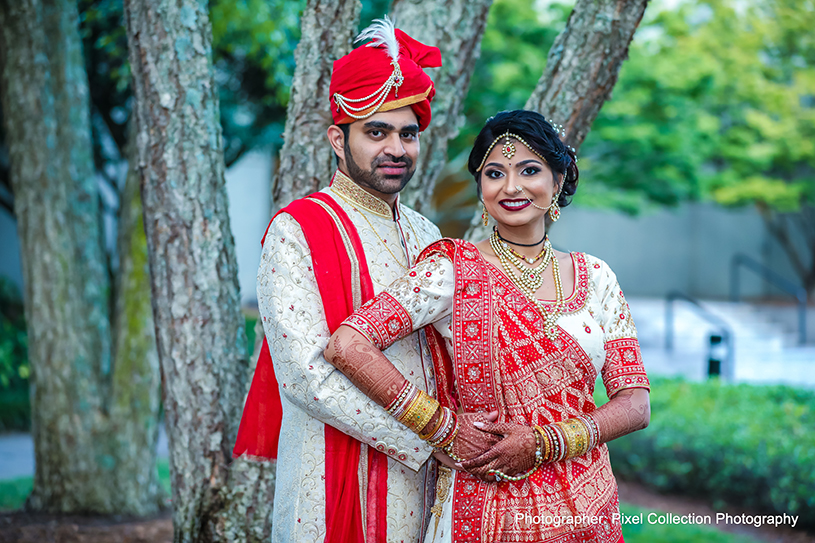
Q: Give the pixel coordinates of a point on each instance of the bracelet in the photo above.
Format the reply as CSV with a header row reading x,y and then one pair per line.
x,y
446,430
400,405
546,444
449,451
400,397
576,436
499,475
425,436
591,430
419,412
553,432
447,441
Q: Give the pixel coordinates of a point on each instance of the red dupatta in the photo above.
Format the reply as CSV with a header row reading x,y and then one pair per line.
x,y
341,270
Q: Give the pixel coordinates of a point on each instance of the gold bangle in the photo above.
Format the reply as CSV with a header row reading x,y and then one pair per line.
x,y
424,436
419,412
576,437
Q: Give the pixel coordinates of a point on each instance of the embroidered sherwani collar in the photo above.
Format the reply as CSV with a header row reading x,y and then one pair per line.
x,y
354,194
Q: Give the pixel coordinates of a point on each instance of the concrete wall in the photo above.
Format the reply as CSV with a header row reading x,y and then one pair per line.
x,y
687,249
248,184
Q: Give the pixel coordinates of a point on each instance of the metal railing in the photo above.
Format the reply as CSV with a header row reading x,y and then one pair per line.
x,y
725,331
741,260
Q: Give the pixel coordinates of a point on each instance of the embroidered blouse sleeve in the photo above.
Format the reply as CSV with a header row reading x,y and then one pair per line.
x,y
294,322
424,295
623,367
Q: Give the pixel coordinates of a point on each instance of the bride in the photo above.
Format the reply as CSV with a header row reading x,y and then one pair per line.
x,y
525,332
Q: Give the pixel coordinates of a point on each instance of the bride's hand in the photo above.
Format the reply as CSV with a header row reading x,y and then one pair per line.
x,y
512,455
471,441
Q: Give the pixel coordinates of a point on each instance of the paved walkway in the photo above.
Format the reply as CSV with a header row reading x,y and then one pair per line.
x,y
16,456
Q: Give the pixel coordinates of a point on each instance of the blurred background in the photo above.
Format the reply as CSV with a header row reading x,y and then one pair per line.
x,y
697,186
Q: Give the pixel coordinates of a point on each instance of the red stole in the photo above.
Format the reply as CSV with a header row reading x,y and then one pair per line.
x,y
260,425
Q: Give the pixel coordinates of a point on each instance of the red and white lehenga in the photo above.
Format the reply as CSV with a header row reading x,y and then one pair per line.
x,y
496,357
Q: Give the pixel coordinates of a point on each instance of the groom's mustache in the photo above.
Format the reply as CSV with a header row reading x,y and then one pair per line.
x,y
407,161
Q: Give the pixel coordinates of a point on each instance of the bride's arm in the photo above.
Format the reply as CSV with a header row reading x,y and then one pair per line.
x,y
375,376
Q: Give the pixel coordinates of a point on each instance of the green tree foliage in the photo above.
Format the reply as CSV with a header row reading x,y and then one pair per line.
x,y
253,47
513,55
716,102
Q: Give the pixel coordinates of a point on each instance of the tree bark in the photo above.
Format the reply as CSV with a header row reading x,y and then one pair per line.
x,y
136,381
199,326
45,100
306,159
581,70
456,27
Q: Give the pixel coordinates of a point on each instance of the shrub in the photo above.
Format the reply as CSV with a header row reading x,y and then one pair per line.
x,y
738,445
15,410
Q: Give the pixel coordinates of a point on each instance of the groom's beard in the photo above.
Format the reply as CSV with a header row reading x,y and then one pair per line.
x,y
374,179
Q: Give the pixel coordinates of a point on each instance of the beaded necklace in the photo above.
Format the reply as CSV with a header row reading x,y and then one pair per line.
x,y
531,279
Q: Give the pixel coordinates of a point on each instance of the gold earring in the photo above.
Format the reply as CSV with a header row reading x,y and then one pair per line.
x,y
554,209
485,217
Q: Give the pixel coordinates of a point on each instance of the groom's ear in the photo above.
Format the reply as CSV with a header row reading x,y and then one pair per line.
x,y
336,137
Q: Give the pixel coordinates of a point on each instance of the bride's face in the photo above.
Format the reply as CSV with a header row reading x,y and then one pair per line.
x,y
501,178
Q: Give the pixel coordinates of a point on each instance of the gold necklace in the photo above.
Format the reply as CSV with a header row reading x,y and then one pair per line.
x,y
531,278
375,231
528,286
528,259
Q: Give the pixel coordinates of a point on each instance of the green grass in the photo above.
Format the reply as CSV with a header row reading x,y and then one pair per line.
x,y
673,533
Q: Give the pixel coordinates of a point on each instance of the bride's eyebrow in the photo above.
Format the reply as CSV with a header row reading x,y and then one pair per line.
x,y
495,165
529,161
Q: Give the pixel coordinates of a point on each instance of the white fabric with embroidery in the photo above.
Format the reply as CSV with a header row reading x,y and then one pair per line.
x,y
314,393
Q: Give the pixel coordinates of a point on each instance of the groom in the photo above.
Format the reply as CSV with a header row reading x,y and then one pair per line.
x,y
346,470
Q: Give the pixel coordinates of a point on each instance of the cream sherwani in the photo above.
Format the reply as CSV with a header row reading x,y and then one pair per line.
x,y
314,393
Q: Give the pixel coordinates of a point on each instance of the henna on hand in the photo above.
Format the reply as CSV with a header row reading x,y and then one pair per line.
x,y
628,411
512,455
364,365
471,441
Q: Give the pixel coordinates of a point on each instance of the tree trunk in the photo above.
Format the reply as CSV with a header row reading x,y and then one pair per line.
x,y
306,160
583,64
199,326
136,381
456,27
45,100
581,70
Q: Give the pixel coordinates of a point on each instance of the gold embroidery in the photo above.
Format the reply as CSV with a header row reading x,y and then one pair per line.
x,y
350,191
443,485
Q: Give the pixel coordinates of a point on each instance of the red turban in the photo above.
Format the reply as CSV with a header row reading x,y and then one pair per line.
x,y
367,80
